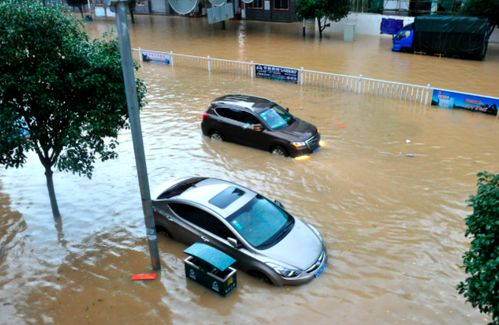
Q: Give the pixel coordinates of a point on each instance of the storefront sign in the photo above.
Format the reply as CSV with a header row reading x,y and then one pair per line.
x,y
148,56
450,99
276,73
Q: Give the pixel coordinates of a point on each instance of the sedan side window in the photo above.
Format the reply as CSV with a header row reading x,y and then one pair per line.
x,y
216,227
201,219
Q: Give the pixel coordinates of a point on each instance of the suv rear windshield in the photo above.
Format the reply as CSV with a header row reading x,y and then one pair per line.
x,y
277,117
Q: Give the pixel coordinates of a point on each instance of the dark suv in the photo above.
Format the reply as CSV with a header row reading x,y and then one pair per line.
x,y
259,123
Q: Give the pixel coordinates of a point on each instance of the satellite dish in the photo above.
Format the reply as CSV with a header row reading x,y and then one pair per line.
x,y
183,7
247,1
218,3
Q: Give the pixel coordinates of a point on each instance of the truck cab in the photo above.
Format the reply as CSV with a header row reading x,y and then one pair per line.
x,y
403,40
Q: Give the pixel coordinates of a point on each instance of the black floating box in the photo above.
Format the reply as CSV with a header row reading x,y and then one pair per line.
x,y
211,268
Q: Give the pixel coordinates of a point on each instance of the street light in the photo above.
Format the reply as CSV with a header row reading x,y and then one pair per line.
x,y
121,7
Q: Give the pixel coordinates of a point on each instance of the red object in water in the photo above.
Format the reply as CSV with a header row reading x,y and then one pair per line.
x,y
144,276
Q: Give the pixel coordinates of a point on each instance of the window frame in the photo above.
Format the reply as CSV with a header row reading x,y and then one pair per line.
x,y
280,9
250,5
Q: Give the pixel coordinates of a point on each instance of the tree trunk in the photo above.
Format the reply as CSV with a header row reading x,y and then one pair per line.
x,y
81,11
50,187
320,27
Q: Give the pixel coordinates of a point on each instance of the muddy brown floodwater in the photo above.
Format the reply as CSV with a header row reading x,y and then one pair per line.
x,y
388,191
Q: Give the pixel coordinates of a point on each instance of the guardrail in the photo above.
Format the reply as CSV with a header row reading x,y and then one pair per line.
x,y
358,84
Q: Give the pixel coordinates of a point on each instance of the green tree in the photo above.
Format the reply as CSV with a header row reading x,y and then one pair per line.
x,y
63,89
488,9
323,10
481,262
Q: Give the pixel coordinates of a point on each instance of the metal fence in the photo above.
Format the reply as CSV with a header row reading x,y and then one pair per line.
x,y
309,78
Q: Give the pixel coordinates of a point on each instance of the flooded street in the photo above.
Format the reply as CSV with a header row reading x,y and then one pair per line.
x,y
388,191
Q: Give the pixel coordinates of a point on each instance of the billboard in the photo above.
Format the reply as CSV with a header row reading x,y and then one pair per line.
x,y
470,102
276,73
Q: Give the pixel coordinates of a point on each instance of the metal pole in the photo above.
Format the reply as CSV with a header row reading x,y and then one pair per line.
x,y
133,112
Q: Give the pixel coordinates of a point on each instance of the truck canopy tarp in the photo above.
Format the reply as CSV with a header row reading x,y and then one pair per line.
x,y
451,24
465,37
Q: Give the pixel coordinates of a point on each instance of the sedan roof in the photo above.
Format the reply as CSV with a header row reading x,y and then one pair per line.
x,y
250,102
206,191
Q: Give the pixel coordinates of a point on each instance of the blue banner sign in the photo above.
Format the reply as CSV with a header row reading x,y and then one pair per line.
x,y
276,73
450,99
148,56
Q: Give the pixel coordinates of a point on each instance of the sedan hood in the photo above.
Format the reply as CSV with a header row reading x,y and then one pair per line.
x,y
298,131
299,248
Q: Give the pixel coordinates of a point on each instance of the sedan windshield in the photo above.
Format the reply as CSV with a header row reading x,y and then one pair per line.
x,y
277,117
261,223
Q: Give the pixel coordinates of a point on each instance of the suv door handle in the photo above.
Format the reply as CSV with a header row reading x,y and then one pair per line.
x,y
205,239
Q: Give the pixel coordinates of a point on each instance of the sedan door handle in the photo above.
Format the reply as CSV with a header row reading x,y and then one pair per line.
x,y
205,239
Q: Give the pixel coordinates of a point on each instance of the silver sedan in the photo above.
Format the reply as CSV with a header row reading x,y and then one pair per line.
x,y
266,241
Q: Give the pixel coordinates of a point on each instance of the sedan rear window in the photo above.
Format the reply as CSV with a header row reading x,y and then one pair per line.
x,y
226,197
180,188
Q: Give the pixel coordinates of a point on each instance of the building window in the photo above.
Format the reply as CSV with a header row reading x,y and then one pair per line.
x,y
281,4
256,4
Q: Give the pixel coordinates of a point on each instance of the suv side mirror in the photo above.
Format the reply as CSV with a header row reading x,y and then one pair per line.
x,y
279,204
258,127
233,242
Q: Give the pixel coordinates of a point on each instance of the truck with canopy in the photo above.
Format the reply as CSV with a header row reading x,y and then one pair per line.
x,y
451,36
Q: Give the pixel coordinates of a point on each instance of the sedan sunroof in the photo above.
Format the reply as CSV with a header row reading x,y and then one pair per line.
x,y
226,197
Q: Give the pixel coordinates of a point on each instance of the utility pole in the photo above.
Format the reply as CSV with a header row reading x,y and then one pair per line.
x,y
121,7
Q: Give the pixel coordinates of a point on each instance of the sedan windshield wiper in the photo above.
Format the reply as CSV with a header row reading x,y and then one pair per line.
x,y
278,235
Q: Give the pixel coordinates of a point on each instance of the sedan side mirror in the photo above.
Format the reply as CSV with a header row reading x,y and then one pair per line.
x,y
279,204
234,242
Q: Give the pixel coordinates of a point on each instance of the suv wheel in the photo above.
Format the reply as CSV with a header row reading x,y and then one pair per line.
x,y
217,136
279,151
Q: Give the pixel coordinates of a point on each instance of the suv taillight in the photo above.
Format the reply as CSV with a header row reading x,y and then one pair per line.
x,y
204,115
